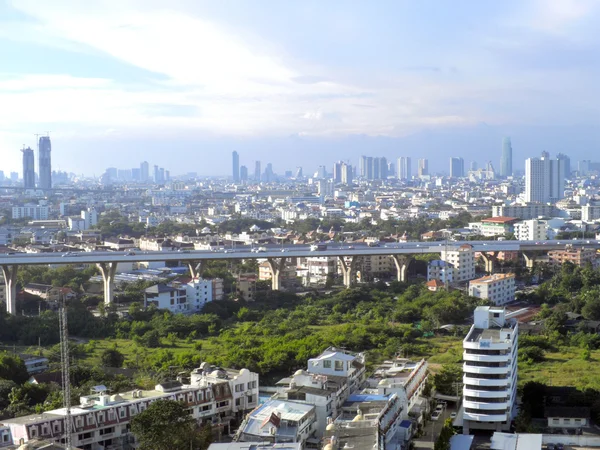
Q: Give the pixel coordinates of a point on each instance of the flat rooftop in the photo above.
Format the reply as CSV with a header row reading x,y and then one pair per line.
x,y
491,334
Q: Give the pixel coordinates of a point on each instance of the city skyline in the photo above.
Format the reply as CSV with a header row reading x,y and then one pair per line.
x,y
511,69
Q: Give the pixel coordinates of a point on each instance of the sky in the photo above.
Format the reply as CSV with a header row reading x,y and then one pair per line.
x,y
183,83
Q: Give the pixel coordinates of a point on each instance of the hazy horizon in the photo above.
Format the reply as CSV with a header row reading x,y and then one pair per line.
x,y
296,83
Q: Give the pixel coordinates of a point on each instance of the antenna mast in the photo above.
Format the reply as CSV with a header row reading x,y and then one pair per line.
x,y
66,379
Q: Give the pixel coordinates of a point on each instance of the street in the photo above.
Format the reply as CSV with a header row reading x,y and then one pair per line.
x,y
432,429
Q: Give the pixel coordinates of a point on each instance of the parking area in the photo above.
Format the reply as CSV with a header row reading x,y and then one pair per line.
x,y
432,428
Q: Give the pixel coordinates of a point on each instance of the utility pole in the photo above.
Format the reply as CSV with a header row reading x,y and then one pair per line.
x,y
66,379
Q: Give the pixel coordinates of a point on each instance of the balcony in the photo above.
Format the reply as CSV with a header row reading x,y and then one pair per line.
x,y
486,394
486,370
476,345
483,405
486,358
485,417
485,382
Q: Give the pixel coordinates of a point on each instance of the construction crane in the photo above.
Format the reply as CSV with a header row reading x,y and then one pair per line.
x,y
66,380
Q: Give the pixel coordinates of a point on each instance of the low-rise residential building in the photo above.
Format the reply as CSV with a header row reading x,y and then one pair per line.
x,y
287,276
463,260
188,296
567,416
369,421
315,269
119,243
525,212
35,364
580,256
278,421
402,377
440,270
36,212
498,288
497,226
246,286
490,371
531,230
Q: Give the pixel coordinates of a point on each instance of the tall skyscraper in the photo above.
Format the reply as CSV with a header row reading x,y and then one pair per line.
x,y
28,168
257,171
544,179
337,172
404,168
473,166
346,174
506,169
269,175
366,167
45,162
380,168
566,163
243,173
299,174
457,167
423,169
144,171
236,166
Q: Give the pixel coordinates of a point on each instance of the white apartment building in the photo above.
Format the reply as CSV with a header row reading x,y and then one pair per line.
x,y
35,212
314,269
402,377
90,216
243,385
544,179
590,213
440,270
498,288
490,371
524,212
531,230
463,260
184,298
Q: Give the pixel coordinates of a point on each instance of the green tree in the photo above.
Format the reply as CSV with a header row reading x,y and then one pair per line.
x,y
111,357
12,368
445,380
443,440
165,425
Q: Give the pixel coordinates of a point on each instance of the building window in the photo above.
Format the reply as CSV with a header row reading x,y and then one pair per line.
x,y
339,366
327,364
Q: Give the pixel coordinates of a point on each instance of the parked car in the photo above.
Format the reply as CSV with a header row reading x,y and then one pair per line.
x,y
436,415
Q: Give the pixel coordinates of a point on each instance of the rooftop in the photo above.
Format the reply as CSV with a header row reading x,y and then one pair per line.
x,y
492,278
500,219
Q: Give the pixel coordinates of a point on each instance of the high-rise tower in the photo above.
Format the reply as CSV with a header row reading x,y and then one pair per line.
x,y
423,168
144,171
404,168
235,166
257,171
45,162
544,179
506,158
457,167
28,168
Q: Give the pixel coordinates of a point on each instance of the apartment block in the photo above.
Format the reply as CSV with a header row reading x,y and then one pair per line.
x,y
498,288
184,296
463,260
490,371
531,230
578,256
440,270
35,212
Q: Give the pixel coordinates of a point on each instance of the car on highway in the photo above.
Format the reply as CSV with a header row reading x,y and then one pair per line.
x,y
283,250
130,254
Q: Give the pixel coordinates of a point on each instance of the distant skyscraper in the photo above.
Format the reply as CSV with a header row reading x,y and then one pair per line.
x,y
337,172
14,176
404,168
45,162
243,173
457,167
321,172
366,167
544,179
566,163
423,167
156,174
144,172
380,168
473,165
136,174
506,169
346,173
236,166
257,171
299,174
269,175
28,168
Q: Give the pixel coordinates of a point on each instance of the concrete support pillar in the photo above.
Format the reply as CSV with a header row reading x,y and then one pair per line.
x,y
276,265
402,263
10,281
195,268
348,269
108,271
489,259
530,258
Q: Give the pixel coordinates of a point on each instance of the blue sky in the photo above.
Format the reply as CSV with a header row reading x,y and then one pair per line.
x,y
184,82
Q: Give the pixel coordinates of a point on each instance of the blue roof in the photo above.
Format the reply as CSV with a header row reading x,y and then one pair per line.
x,y
405,424
367,398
